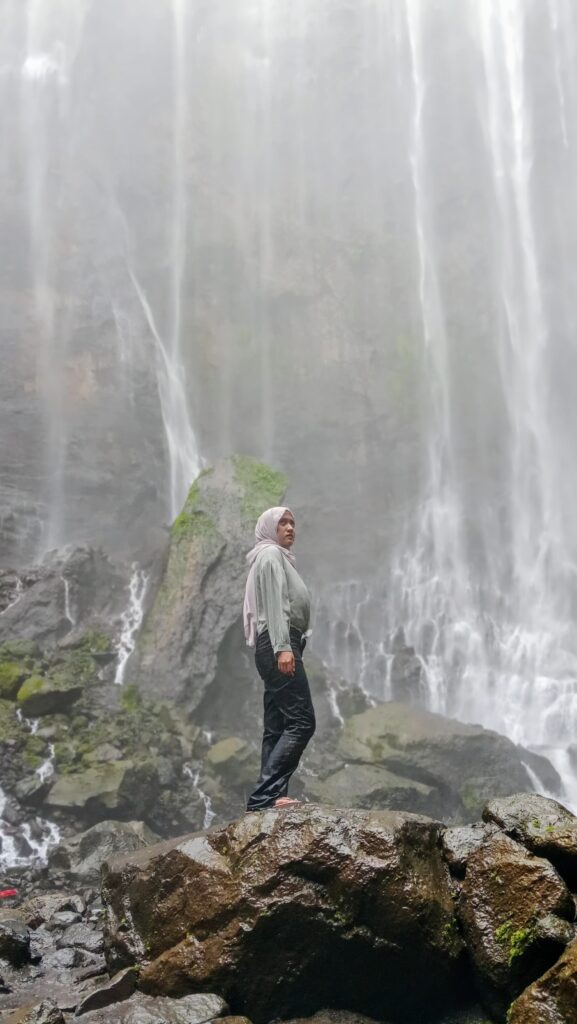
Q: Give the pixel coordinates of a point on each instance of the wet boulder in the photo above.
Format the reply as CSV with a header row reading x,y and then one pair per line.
x,y
552,999
287,912
124,788
542,825
464,764
14,941
143,1009
460,841
370,785
48,695
73,588
516,913
82,856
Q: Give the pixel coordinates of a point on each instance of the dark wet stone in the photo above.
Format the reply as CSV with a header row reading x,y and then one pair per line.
x,y
357,896
516,913
83,936
119,988
63,919
552,999
460,842
14,942
196,1009
40,908
543,826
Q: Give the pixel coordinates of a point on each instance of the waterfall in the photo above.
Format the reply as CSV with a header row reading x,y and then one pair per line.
x,y
194,776
486,586
339,236
51,46
67,607
29,843
131,621
18,593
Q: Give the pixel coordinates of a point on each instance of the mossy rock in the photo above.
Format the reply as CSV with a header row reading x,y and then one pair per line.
x,y
235,761
12,676
200,594
14,650
125,788
46,695
10,728
263,487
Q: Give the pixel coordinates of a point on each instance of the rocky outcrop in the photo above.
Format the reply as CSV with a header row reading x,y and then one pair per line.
x,y
284,912
395,755
200,595
290,912
553,998
545,827
76,589
81,857
516,913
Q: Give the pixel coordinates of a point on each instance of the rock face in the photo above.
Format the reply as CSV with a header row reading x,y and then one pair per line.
x,y
544,826
553,998
200,595
78,588
516,914
441,765
82,856
288,912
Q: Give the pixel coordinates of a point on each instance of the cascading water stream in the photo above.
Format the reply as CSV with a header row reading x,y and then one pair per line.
x,y
30,843
131,621
194,776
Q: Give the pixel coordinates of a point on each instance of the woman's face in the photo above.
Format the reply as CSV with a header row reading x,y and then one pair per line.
x,y
285,530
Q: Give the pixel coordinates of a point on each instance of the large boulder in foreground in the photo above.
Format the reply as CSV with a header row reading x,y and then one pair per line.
x,y
200,595
463,765
286,912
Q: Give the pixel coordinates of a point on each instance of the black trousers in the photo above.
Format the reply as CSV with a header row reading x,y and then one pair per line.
x,y
289,721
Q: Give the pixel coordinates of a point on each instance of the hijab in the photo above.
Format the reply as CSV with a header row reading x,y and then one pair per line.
x,y
266,537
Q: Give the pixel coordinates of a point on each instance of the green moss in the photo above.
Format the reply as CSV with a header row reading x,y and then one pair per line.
x,y
10,727
193,521
11,676
450,931
130,698
97,642
263,487
13,650
33,685
536,823
515,939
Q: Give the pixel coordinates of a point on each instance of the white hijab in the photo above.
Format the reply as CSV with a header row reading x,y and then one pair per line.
x,y
266,537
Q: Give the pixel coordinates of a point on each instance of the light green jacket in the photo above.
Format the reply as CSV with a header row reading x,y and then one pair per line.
x,y
282,599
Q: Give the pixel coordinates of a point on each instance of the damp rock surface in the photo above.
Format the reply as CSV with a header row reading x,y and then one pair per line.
x,y
516,913
292,910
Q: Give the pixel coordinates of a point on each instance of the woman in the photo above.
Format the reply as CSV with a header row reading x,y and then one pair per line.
x,y
276,619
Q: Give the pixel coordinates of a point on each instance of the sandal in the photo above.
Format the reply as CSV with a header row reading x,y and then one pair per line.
x,y
285,802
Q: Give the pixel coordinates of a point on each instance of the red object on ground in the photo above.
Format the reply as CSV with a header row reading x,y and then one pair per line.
x,y
8,892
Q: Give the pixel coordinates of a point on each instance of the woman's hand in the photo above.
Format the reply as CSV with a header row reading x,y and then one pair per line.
x,y
286,663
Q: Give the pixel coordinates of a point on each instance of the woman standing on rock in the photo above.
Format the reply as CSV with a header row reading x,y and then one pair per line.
x,y
276,619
